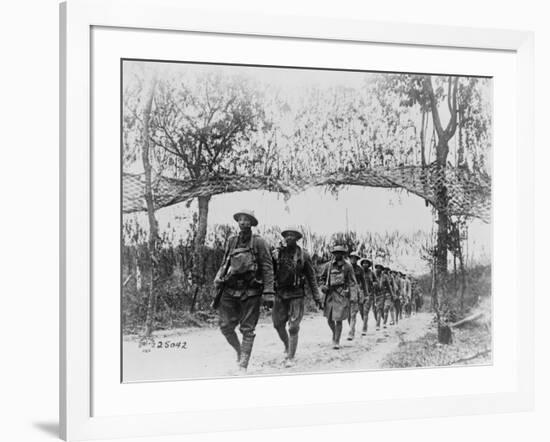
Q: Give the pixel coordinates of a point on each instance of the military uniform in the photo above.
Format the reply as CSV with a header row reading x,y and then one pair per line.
x,y
338,281
293,267
246,273
384,298
370,281
357,298
406,296
396,298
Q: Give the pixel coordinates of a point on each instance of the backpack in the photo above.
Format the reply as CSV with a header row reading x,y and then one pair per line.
x,y
242,262
337,279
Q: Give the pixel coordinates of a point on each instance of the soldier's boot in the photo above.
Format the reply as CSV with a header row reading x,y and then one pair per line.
x,y
365,325
246,350
331,325
281,331
337,335
352,324
293,345
392,314
233,340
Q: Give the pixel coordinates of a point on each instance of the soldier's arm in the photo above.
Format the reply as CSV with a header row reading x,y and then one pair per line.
x,y
371,281
265,262
218,279
323,277
362,282
311,277
350,276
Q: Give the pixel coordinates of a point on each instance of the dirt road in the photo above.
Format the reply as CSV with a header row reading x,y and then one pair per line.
x,y
204,353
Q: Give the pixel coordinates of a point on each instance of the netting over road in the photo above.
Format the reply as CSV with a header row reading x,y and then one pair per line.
x,y
467,193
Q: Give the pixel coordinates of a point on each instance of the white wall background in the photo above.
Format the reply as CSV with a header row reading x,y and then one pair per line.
x,y
29,221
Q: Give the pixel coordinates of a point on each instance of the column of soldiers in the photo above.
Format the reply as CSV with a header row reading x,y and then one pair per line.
x,y
253,274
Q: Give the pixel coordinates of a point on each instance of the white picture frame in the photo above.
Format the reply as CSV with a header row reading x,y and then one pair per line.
x,y
77,378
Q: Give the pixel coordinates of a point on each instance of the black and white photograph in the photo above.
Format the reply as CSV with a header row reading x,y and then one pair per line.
x,y
280,220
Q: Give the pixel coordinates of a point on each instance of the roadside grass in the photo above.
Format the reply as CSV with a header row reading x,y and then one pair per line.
x,y
471,346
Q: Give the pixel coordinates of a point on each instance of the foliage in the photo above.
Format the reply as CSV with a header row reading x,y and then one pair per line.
x,y
205,124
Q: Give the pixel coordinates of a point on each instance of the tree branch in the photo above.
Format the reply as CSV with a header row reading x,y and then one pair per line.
x,y
451,127
433,104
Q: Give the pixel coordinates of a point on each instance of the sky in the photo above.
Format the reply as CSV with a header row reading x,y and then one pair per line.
x,y
363,209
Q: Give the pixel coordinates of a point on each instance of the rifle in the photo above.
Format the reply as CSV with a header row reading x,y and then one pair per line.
x,y
219,292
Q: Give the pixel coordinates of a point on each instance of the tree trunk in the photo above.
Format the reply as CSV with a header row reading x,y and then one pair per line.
x,y
462,277
455,277
153,226
194,300
199,248
203,220
435,300
423,139
442,202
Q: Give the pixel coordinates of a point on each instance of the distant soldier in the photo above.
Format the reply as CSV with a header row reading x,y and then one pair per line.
x,y
370,281
408,295
358,295
417,296
394,304
401,297
378,294
293,267
384,303
338,280
246,273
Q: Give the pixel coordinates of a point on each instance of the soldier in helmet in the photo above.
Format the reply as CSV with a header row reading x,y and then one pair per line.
x,y
403,300
379,294
392,299
396,298
384,289
358,295
369,303
338,280
246,273
292,267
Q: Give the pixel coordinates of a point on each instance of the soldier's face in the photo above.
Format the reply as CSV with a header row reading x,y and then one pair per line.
x,y
353,260
244,222
291,239
338,256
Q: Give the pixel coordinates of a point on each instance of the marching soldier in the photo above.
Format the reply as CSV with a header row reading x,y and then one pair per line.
x,y
246,273
357,296
378,294
338,280
384,303
369,303
407,294
407,302
399,293
293,267
394,299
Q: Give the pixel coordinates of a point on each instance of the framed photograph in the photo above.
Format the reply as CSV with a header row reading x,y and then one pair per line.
x,y
262,214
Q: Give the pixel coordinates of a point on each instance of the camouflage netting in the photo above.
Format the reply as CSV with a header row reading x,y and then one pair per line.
x,y
468,194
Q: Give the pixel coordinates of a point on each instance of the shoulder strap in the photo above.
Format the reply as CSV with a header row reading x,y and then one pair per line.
x,y
328,273
299,251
